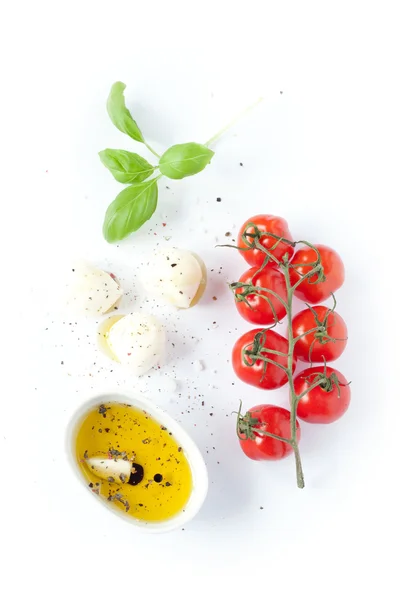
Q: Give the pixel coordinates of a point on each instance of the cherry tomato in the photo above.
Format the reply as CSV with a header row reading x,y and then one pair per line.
x,y
266,417
255,307
333,271
256,371
326,402
328,344
264,223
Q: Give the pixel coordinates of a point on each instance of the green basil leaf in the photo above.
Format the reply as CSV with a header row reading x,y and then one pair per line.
x,y
126,167
184,160
130,209
120,115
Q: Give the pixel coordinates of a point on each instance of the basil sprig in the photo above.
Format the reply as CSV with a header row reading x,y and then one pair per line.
x,y
137,202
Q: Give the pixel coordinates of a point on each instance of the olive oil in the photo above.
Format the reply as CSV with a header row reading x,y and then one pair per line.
x,y
130,459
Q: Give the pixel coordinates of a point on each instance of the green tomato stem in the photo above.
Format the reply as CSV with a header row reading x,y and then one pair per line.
x,y
293,398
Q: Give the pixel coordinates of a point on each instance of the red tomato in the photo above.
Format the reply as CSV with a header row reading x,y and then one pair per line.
x,y
325,403
333,271
327,344
255,307
266,417
255,371
264,223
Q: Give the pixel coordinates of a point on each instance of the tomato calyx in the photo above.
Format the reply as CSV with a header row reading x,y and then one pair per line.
x,y
256,350
320,331
251,238
326,382
247,427
316,274
321,380
248,289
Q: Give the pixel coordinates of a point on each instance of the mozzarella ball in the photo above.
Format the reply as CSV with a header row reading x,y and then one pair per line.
x,y
91,291
137,341
177,276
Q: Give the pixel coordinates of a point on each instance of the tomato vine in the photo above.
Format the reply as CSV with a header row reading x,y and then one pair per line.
x,y
248,426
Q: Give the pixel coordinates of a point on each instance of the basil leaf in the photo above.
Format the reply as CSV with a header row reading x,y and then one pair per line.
x,y
120,115
130,209
184,160
126,167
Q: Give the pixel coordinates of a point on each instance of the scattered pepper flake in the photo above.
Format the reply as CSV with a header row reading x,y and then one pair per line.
x,y
113,453
111,497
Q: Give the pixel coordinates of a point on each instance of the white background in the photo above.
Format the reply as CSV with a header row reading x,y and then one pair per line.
x,y
322,150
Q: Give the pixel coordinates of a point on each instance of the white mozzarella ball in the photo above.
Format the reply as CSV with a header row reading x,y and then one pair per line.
x,y
177,276
137,341
91,291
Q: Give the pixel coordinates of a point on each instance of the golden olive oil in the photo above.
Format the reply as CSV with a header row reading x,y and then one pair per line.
x,y
161,476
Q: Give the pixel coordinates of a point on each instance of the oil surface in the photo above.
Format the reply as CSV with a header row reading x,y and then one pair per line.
x,y
119,430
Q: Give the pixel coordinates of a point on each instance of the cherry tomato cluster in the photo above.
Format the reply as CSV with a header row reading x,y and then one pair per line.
x,y
318,334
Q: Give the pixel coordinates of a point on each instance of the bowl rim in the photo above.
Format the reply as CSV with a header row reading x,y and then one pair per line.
x,y
191,450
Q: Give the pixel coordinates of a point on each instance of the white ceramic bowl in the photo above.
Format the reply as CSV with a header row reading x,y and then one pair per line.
x,y
196,461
